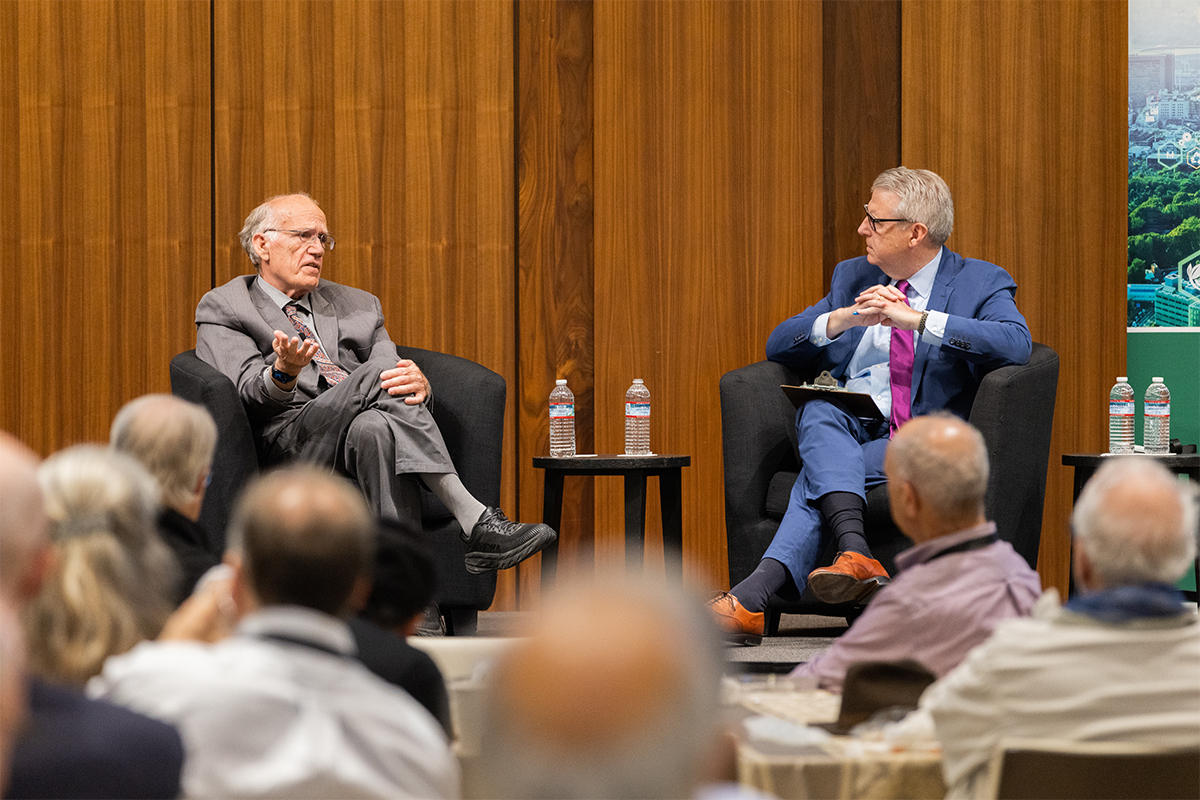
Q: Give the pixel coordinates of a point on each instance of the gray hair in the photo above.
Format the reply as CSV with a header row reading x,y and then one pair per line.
x,y
114,577
172,438
259,220
952,480
923,197
1136,522
624,750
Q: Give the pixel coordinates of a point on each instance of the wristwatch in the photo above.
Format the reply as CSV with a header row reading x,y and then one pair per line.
x,y
921,324
281,376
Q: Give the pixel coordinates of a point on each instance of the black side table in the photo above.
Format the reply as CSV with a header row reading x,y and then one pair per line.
x,y
635,469
1086,464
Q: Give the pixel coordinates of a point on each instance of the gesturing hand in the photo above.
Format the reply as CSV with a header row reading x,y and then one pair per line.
x,y
292,354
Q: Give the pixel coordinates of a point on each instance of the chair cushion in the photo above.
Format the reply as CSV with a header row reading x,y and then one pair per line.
x,y
779,493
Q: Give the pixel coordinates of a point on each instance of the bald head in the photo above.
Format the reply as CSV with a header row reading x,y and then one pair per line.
x,y
24,535
1134,523
304,537
943,462
614,694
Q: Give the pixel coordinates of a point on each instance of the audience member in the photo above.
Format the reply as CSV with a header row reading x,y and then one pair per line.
x,y
174,440
112,579
323,383
71,747
282,708
14,699
604,700
405,581
957,581
1118,662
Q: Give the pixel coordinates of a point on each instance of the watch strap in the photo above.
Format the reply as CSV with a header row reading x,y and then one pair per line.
x,y
281,376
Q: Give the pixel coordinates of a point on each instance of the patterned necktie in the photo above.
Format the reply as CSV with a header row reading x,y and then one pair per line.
x,y
330,371
901,366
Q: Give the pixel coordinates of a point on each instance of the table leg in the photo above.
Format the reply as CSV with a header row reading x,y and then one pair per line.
x,y
552,498
635,519
670,494
1082,476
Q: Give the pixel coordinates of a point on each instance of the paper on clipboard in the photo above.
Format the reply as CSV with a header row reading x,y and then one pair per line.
x,y
860,404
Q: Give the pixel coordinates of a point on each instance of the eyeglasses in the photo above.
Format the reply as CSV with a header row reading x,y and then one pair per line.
x,y
875,222
306,236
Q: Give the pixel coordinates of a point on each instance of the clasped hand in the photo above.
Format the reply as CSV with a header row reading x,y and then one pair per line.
x,y
879,305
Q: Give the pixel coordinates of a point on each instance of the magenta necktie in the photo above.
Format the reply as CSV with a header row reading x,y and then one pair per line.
x,y
332,373
900,361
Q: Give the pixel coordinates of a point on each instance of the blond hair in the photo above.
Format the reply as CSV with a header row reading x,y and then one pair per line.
x,y
112,580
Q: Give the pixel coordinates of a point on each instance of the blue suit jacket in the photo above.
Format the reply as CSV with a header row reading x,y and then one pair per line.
x,y
985,331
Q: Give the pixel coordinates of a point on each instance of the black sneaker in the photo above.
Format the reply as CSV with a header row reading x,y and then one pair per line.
x,y
497,543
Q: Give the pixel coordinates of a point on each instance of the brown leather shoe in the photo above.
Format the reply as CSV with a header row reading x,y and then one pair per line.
x,y
851,578
738,624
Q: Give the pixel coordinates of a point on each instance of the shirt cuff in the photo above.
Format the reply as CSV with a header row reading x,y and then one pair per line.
x,y
935,328
273,390
818,335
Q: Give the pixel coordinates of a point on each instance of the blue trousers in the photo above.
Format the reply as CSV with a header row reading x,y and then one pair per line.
x,y
838,453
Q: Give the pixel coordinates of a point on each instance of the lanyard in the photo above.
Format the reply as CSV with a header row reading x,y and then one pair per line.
x,y
970,544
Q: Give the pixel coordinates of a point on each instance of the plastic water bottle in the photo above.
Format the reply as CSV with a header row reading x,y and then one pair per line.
x,y
1120,418
1157,430
562,421
637,419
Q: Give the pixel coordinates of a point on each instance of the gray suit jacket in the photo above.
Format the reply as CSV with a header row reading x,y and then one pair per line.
x,y
236,323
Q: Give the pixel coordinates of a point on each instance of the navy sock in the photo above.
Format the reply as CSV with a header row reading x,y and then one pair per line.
x,y
843,511
753,593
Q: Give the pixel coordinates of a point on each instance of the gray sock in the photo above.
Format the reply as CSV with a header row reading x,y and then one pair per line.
x,y
462,504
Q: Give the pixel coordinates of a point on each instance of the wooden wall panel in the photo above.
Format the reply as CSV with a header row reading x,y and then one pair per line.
x,y
1020,106
398,118
708,227
556,278
106,200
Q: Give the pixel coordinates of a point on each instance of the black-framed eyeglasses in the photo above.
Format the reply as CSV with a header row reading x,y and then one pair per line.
x,y
306,236
875,220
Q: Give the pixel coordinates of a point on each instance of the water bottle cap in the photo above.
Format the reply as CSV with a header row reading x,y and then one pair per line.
x,y
1157,380
637,380
561,382
1122,380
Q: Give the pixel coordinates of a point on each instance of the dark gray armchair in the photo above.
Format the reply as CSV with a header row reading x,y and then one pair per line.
x,y
1014,410
469,408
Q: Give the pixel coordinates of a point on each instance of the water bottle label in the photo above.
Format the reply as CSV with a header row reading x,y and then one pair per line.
x,y
637,409
1155,409
562,411
1117,408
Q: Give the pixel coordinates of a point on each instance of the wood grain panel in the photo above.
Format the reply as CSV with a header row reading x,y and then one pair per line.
x,y
556,279
398,118
708,227
106,175
1020,106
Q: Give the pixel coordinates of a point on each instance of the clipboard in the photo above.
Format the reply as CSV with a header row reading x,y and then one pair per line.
x,y
860,404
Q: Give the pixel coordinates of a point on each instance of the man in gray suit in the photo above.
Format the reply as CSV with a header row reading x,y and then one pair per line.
x,y
322,382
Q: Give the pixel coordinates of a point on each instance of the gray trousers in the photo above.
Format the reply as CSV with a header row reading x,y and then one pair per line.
x,y
359,429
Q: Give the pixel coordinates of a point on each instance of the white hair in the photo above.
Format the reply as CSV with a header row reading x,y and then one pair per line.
x,y
1136,522
172,438
924,197
261,218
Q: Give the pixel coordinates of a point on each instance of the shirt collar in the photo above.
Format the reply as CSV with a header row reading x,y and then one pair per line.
x,y
280,299
922,281
927,551
297,622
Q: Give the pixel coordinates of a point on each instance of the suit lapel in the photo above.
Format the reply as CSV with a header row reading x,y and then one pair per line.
x,y
939,299
327,324
272,314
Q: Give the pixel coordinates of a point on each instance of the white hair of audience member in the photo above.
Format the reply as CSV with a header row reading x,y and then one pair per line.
x,y
172,438
615,694
923,197
953,481
1136,523
113,577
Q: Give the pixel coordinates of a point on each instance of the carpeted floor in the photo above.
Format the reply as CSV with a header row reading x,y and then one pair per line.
x,y
799,639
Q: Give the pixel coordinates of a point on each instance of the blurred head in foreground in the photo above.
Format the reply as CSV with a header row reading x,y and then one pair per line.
x,y
614,694
112,578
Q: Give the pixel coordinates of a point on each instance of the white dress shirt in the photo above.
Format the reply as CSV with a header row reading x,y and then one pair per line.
x,y
283,709
869,370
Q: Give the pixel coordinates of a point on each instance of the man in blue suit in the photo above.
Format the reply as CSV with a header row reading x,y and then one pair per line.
x,y
913,325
